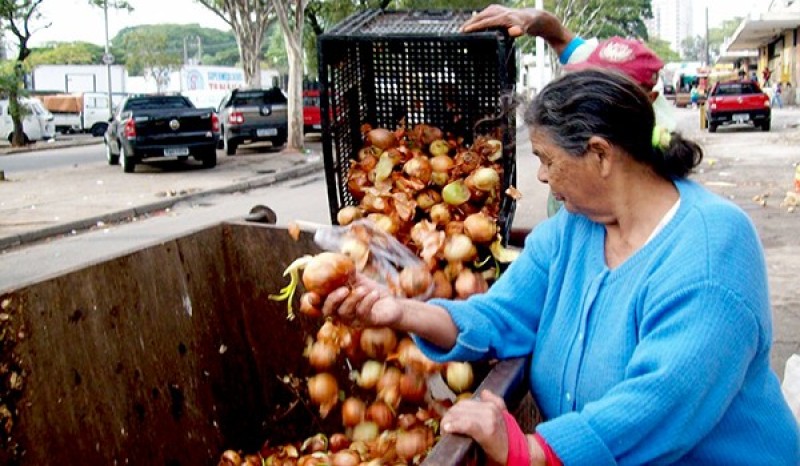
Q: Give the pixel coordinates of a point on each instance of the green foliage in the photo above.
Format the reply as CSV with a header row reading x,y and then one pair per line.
x,y
694,48
219,48
66,53
663,49
148,52
275,56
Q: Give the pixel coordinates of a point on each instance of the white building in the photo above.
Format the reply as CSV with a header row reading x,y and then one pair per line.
x,y
672,21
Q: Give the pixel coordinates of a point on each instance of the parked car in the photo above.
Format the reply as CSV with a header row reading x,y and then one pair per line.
x,y
158,126
37,122
252,115
312,118
738,102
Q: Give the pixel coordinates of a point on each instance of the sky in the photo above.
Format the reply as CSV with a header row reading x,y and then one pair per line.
x,y
75,20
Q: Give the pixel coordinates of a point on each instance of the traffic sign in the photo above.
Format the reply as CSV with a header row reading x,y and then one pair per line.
x,y
108,58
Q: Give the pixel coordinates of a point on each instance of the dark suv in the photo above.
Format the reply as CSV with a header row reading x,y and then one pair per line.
x,y
251,115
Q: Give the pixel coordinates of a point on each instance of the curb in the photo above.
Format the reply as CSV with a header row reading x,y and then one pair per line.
x,y
125,214
49,146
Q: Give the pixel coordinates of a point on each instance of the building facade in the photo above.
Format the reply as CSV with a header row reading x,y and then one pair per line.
x,y
672,21
775,35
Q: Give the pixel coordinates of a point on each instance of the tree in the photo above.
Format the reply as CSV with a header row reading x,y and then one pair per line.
x,y
66,53
693,48
663,49
149,52
249,20
18,17
290,16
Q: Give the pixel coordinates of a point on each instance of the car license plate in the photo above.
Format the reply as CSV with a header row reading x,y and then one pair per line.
x,y
173,151
266,132
741,118
317,126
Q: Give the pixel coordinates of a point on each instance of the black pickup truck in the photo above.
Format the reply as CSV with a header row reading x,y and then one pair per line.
x,y
158,126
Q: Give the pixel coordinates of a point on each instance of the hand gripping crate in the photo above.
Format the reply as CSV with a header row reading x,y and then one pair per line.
x,y
383,67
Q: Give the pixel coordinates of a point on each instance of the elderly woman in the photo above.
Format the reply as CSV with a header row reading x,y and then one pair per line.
x,y
644,303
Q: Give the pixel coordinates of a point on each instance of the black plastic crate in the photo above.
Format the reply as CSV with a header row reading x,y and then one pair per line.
x,y
382,67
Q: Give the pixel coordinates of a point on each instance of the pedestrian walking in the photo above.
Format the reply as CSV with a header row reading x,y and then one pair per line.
x,y
776,96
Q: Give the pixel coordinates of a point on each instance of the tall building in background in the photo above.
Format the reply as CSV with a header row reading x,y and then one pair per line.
x,y
672,21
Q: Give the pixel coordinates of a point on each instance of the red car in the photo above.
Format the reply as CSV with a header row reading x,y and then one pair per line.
x,y
312,118
733,102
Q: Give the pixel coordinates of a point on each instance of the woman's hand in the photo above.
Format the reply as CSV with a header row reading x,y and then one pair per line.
x,y
483,421
366,303
519,21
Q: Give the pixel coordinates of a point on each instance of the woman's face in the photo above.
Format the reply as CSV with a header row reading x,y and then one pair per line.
x,y
575,181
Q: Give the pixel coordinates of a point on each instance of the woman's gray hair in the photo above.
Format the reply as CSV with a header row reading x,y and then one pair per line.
x,y
607,104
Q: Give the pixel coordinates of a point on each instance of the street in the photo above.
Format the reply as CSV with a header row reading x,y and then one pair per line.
x,y
740,163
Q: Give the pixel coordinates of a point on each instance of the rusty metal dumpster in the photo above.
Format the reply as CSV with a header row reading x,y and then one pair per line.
x,y
165,356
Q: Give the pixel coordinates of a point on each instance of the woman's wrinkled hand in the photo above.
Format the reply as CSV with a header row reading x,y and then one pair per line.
x,y
483,421
516,21
365,303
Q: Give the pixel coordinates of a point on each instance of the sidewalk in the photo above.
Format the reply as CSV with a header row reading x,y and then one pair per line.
x,y
48,203
58,142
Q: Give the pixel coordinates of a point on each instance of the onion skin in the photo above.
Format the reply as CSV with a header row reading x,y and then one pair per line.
x,y
348,214
328,271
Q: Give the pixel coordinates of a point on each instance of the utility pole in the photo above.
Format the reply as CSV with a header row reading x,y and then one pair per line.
x,y
539,54
708,55
108,59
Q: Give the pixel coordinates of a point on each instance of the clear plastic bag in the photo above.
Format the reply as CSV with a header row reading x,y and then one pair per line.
x,y
376,253
791,385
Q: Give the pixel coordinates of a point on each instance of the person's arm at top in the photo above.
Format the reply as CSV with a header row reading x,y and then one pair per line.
x,y
519,21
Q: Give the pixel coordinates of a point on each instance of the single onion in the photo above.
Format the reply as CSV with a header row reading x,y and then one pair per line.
x,y
440,214
345,458
328,271
441,163
480,227
314,444
371,372
385,223
459,376
418,168
375,203
390,378
440,178
411,443
348,214
329,332
357,250
428,198
322,355
230,458
486,179
353,410
415,281
459,248
365,432
439,147
406,421
252,460
338,441
381,414
313,459
456,193
452,269
369,151
466,162
310,304
368,163
323,391
413,387
469,283
377,343
442,288
357,183
382,138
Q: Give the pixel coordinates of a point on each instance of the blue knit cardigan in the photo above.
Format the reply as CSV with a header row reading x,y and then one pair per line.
x,y
664,359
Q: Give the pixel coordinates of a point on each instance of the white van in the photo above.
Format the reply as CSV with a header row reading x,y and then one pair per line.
x,y
37,122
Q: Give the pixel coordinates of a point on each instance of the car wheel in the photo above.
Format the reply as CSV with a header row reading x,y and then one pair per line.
x,y
712,127
220,141
766,125
128,162
183,158
229,146
110,156
210,159
99,129
278,143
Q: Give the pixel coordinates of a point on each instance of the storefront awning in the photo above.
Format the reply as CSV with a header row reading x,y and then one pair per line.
x,y
760,30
